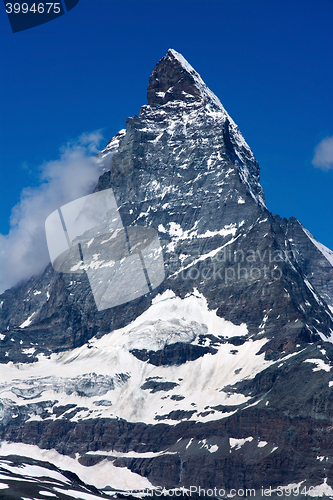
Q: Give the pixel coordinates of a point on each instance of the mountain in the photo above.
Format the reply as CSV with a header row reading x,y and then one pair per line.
x,y
220,377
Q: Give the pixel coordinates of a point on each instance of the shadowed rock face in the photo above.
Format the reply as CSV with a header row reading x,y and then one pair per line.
x,y
311,260
223,373
170,81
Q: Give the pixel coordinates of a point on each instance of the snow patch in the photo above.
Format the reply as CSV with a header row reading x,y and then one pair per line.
x,y
77,494
28,321
321,490
310,287
261,444
212,448
238,443
208,255
29,351
321,365
101,475
131,454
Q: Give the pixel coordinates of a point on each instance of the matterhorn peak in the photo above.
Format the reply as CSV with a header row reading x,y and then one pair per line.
x,y
181,108
179,327
174,79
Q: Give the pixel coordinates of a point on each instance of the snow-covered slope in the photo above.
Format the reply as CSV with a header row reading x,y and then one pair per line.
x,y
105,378
327,253
137,374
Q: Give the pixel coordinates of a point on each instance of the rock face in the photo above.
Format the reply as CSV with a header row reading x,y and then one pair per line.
x,y
221,376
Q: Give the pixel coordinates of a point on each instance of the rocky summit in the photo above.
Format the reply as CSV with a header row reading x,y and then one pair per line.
x,y
218,381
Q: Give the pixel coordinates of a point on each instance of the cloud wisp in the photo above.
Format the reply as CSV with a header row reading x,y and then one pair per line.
x,y
323,157
23,251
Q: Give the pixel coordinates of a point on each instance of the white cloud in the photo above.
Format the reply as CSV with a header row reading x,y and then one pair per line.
x,y
323,157
23,252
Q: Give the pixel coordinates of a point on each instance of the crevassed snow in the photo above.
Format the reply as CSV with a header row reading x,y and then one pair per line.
x,y
327,253
111,356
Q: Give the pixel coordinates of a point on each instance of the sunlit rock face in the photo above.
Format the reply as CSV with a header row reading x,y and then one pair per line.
x,y
220,376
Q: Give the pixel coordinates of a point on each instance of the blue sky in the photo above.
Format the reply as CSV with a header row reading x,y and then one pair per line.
x,y
270,63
